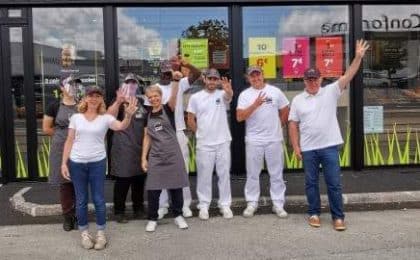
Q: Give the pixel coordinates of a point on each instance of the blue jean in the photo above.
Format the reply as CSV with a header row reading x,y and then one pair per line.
x,y
84,175
329,160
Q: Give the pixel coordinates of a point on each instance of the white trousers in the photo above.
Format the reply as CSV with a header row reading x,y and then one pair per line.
x,y
209,156
186,192
273,153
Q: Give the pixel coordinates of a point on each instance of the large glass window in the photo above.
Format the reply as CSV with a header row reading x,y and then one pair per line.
x,y
67,41
18,101
147,36
286,40
391,79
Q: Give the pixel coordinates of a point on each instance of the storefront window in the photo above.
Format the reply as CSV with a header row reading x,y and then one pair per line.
x,y
391,80
147,36
286,40
67,41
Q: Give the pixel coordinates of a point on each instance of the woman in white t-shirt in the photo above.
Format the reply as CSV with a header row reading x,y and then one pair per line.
x,y
84,159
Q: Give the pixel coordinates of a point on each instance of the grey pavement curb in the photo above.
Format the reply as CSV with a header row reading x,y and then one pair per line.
x,y
36,210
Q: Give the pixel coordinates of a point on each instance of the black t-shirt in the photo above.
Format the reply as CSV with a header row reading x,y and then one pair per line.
x,y
52,109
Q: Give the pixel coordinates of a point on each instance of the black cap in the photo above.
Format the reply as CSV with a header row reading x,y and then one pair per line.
x,y
93,90
312,73
165,67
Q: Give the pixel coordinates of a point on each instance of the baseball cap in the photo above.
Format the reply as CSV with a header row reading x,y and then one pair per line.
x,y
312,73
252,69
131,76
165,66
93,90
213,73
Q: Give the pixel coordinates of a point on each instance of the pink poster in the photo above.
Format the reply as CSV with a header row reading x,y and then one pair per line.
x,y
295,56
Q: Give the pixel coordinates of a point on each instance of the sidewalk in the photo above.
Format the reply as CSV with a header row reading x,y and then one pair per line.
x,y
37,203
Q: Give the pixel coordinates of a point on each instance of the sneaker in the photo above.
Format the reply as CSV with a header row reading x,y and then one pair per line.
x,y
180,222
186,212
314,221
162,212
87,240
226,212
100,240
151,226
203,214
280,212
249,211
69,223
121,218
339,224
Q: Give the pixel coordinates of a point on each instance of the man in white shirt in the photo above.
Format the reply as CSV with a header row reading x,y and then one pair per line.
x,y
166,68
264,108
315,136
207,118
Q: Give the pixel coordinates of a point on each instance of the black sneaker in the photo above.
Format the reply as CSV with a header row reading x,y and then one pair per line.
x,y
120,218
68,224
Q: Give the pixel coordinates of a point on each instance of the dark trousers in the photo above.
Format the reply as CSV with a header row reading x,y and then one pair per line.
x,y
153,203
67,199
121,187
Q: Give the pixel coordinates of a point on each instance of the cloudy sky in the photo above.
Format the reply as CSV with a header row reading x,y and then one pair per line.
x,y
143,32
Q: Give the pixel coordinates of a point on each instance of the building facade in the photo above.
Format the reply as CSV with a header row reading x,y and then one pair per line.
x,y
102,41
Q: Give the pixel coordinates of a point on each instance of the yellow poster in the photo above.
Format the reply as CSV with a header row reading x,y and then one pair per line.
x,y
196,52
262,52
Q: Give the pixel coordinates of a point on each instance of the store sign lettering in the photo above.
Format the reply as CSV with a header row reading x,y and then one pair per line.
x,y
382,24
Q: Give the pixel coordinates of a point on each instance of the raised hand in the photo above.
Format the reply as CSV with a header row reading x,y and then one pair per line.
x,y
131,108
361,47
260,99
226,84
120,96
176,75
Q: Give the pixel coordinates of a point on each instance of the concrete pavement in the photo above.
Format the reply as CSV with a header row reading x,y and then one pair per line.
x,y
392,234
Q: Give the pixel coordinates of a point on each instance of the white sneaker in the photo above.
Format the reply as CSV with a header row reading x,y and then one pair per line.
x,y
100,240
162,212
203,214
87,240
249,211
226,212
151,226
280,212
186,212
180,222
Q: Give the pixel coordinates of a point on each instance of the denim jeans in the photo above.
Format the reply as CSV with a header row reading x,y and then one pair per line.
x,y
329,160
83,176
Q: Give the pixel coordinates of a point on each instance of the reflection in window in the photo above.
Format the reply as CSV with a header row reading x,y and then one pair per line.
x,y
147,36
286,40
391,79
67,41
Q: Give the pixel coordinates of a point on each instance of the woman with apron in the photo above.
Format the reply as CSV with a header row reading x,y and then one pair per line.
x,y
55,124
162,157
126,152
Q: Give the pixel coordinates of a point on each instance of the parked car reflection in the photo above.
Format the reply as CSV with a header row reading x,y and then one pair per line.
x,y
375,79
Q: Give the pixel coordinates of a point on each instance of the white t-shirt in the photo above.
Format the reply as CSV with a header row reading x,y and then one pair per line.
x,y
210,109
317,117
264,123
89,141
184,85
